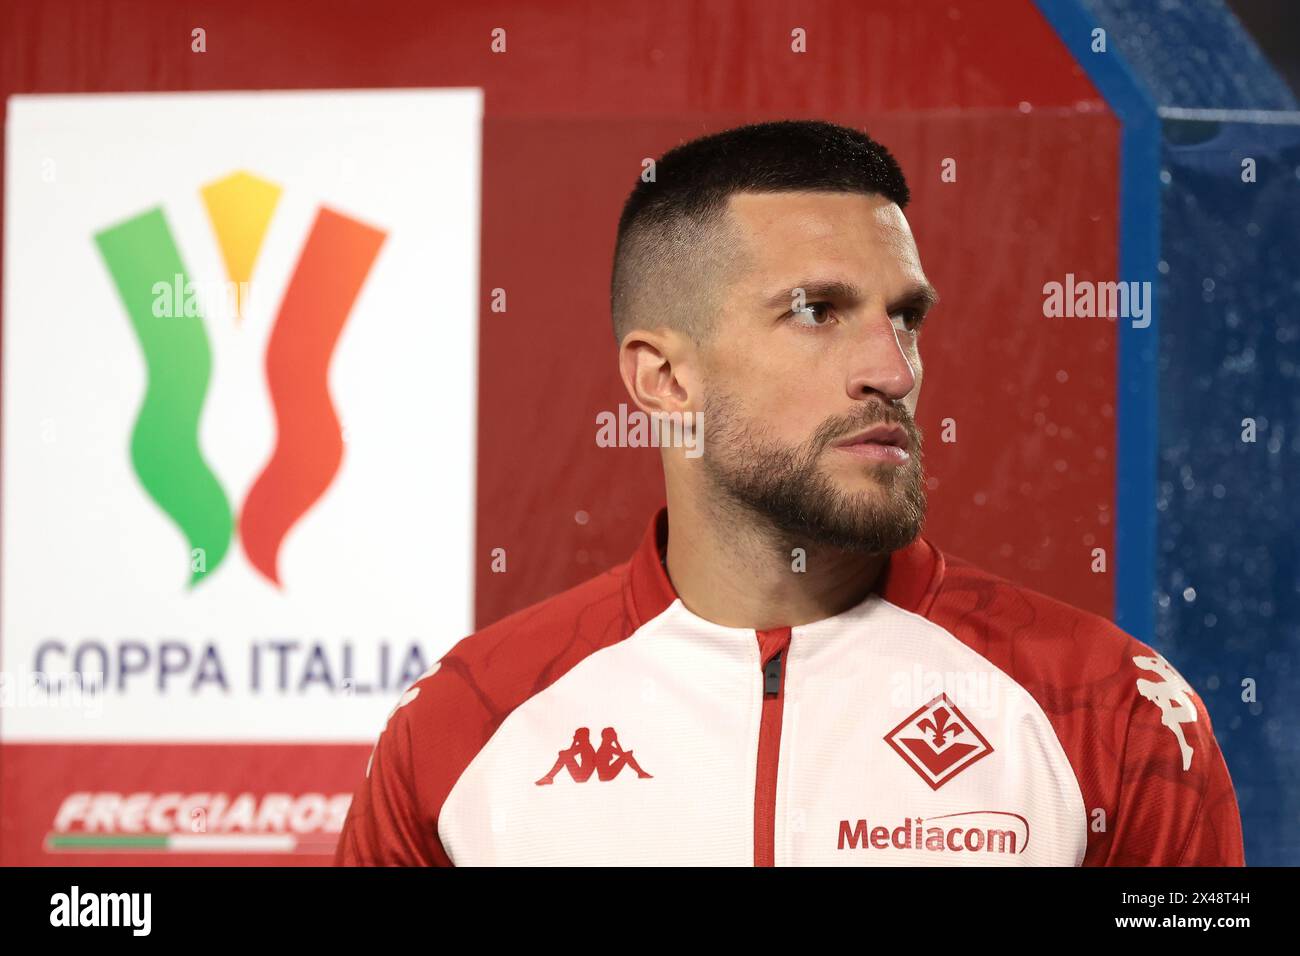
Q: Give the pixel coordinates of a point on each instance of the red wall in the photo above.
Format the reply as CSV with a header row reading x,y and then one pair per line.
x,y
583,93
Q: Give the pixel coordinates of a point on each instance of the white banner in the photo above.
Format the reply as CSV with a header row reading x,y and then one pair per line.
x,y
244,491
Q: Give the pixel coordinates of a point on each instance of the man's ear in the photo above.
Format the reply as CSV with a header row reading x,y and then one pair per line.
x,y
658,370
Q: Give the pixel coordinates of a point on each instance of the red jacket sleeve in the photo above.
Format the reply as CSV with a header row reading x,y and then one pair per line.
x,y
1176,805
386,824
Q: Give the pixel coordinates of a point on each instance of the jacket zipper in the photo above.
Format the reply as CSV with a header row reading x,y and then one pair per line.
x,y
773,647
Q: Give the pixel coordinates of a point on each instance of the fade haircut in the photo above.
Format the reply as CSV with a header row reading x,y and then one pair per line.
x,y
674,243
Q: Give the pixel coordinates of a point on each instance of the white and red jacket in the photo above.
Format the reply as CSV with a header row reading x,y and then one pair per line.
x,y
951,718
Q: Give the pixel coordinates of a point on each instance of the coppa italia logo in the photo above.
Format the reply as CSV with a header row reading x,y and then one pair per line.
x,y
145,263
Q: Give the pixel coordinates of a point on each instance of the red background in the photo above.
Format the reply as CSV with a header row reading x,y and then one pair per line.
x,y
585,91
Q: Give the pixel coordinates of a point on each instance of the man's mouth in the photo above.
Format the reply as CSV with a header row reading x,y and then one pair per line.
x,y
882,442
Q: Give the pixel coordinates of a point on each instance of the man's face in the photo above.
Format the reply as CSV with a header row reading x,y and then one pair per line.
x,y
808,414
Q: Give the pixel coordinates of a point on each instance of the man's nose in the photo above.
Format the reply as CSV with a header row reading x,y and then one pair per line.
x,y
879,364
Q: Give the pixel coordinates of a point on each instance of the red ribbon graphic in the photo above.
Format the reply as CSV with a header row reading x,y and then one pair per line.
x,y
335,261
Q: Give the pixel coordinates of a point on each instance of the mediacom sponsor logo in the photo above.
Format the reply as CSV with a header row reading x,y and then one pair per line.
x,y
141,822
974,831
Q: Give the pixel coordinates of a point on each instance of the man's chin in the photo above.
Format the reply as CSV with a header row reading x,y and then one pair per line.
x,y
878,509
874,484
877,536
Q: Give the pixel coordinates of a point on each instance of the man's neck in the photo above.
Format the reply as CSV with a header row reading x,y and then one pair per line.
x,y
740,573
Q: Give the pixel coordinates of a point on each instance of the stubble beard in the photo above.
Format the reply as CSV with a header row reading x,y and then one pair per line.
x,y
785,487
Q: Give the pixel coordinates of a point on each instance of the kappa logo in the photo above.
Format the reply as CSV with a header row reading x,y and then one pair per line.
x,y
938,742
582,760
1173,695
145,263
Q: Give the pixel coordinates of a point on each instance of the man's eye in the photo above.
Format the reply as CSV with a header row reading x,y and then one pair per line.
x,y
813,314
907,320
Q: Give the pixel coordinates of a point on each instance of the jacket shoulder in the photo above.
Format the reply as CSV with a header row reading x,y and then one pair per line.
x,y
489,673
451,711
1047,645
1133,728
456,706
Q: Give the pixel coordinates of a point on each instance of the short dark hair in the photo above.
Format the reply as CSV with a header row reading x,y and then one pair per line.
x,y
668,233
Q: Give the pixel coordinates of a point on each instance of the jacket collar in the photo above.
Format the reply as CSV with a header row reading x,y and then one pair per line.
x,y
911,578
651,590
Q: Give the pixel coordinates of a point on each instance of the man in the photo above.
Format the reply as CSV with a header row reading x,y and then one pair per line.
x,y
804,679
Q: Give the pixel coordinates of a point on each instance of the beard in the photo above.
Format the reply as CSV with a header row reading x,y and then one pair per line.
x,y
785,486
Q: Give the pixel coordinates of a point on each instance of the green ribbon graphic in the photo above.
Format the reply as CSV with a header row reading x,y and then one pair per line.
x,y
141,253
